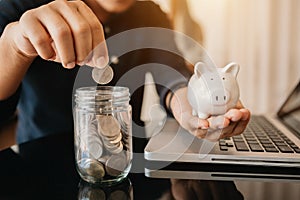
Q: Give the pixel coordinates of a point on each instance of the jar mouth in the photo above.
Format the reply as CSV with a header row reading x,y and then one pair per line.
x,y
102,94
100,90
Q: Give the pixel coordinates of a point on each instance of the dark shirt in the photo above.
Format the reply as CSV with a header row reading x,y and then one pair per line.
x,y
44,99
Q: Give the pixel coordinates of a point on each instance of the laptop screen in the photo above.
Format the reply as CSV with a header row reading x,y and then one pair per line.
x,y
289,113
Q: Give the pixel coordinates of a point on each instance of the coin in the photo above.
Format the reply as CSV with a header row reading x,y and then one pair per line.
x,y
92,129
91,194
89,128
115,140
103,159
118,149
108,125
114,148
102,76
118,195
88,135
95,147
116,164
96,194
92,168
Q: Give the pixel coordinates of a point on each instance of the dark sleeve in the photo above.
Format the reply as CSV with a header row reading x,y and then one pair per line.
x,y
175,73
12,10
149,47
8,108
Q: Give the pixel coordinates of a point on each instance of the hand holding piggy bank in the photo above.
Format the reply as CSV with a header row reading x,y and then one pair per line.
x,y
213,91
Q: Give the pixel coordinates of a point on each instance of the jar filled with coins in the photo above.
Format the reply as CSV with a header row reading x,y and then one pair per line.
x,y
103,138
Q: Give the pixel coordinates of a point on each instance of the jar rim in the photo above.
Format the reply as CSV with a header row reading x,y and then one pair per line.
x,y
95,90
102,95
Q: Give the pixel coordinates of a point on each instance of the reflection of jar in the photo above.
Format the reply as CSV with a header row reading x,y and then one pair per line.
x,y
122,191
103,139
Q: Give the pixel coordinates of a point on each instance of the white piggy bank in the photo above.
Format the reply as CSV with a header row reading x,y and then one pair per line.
x,y
213,91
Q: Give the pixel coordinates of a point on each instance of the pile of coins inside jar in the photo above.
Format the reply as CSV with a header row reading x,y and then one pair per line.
x,y
104,145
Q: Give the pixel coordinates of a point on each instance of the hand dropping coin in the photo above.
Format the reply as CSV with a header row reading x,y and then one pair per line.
x,y
103,75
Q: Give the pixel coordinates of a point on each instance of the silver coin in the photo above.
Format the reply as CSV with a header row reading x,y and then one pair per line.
x,y
118,195
114,148
95,148
92,194
102,76
97,194
108,125
110,146
89,136
90,128
116,164
118,149
92,168
114,140
103,159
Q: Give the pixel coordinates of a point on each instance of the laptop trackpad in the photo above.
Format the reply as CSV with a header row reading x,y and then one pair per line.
x,y
173,142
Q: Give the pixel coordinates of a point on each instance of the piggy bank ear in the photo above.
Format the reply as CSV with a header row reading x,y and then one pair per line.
x,y
200,68
232,68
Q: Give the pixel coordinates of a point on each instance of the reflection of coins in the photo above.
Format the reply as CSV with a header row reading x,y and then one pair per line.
x,y
92,168
92,194
108,125
116,164
97,194
118,195
102,76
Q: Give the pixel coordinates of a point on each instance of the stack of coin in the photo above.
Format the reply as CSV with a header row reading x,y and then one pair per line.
x,y
92,168
91,142
85,123
94,146
110,130
125,129
87,130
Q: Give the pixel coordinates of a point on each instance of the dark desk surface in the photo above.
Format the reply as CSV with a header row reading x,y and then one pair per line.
x,y
45,169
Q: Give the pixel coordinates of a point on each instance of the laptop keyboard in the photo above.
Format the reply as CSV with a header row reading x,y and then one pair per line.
x,y
260,136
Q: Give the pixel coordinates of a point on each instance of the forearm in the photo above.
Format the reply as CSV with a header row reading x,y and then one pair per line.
x,y
178,104
13,64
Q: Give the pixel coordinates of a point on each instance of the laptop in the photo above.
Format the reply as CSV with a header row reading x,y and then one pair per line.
x,y
267,141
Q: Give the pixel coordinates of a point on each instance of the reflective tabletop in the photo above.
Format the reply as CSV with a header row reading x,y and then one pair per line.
x,y
45,169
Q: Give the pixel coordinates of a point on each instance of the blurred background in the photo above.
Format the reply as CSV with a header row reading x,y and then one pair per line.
x,y
263,36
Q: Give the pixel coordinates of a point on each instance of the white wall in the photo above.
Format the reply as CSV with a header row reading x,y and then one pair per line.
x,y
263,36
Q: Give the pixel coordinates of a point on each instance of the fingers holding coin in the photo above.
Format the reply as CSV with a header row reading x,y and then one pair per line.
x,y
64,31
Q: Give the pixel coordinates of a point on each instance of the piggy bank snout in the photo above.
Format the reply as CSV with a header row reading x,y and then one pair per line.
x,y
220,97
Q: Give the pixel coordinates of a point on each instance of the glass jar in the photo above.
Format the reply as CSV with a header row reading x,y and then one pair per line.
x,y
103,137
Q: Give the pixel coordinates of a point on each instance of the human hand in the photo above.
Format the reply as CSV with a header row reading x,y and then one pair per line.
x,y
214,128
62,31
232,123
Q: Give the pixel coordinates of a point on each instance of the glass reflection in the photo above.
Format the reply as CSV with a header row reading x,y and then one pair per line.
x,y
122,191
201,189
